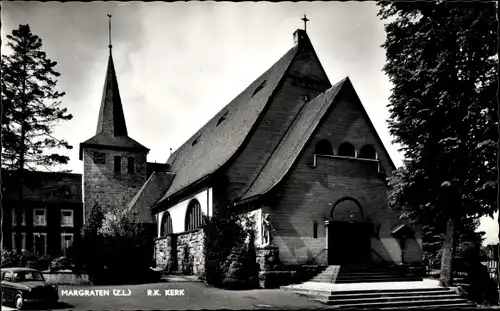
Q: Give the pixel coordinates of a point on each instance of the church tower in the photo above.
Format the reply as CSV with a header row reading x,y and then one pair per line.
x,y
114,165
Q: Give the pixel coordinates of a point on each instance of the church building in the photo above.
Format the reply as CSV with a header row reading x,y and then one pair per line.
x,y
295,150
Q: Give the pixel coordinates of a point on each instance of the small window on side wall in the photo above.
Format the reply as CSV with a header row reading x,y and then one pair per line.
x,y
130,165
315,230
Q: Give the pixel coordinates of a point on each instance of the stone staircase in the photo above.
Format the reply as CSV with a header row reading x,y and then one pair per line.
x,y
428,298
363,274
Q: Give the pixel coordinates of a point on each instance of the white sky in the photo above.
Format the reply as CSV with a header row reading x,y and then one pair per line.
x,y
179,63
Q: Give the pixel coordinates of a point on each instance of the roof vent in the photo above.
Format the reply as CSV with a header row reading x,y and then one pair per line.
x,y
259,88
195,141
222,118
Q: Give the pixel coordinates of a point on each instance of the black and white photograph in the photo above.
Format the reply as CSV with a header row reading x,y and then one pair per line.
x,y
249,155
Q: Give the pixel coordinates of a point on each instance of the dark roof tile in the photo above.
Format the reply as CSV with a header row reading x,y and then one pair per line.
x,y
218,143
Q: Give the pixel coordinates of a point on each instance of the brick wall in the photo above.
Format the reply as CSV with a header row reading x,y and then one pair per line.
x,y
309,193
102,185
305,76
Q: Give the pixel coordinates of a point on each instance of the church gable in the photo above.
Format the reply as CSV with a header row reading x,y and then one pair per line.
x,y
304,80
348,128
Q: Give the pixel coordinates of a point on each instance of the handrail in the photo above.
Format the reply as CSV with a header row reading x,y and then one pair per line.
x,y
314,258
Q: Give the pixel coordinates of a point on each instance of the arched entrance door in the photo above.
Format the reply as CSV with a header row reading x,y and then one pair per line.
x,y
348,234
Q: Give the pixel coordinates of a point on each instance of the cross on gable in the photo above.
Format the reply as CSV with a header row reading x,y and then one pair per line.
x,y
305,19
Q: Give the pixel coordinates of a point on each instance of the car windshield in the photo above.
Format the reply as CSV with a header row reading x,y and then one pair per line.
x,y
25,276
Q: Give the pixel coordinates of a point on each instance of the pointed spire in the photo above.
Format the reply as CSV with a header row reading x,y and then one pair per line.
x,y
110,46
111,118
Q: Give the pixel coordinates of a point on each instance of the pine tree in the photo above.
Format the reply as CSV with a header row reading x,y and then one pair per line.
x,y
30,108
31,104
442,60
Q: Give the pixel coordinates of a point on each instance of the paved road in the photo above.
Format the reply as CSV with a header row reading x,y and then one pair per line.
x,y
196,296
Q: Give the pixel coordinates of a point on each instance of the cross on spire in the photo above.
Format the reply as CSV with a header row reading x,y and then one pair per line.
x,y
110,46
305,19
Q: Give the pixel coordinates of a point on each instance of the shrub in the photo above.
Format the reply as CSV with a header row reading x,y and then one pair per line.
x,y
10,258
61,263
114,249
229,261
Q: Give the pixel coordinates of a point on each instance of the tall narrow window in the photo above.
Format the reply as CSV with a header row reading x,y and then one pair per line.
x,y
19,243
130,165
40,243
194,215
14,217
166,224
66,241
118,164
315,230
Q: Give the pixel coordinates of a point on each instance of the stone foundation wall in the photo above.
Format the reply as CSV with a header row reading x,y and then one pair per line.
x,y
170,253
193,242
268,260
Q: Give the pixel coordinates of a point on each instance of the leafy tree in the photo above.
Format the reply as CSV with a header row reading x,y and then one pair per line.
x,y
442,60
30,107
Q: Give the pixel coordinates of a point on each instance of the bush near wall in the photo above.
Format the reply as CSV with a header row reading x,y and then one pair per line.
x,y
28,259
229,261
114,249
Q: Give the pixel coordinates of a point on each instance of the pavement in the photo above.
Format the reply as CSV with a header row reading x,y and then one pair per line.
x,y
190,295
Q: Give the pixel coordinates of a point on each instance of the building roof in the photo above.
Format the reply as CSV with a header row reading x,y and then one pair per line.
x,y
293,142
50,187
219,139
111,126
150,192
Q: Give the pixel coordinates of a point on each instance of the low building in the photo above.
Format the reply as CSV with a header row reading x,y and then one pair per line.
x,y
50,216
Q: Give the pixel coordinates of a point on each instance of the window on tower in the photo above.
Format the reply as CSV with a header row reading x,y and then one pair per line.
x,y
118,164
99,158
130,165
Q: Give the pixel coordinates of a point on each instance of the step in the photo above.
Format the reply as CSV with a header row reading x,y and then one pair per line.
x,y
394,294
380,304
378,280
400,298
344,293
461,306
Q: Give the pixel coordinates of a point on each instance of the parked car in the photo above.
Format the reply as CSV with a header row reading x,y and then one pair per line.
x,y
21,286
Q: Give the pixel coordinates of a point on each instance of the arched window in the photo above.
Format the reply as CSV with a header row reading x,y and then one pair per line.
x,y
346,150
323,147
194,215
166,224
367,152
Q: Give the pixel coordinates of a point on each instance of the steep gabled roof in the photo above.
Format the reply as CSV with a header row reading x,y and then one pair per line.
x,y
111,127
216,142
150,192
296,138
293,142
